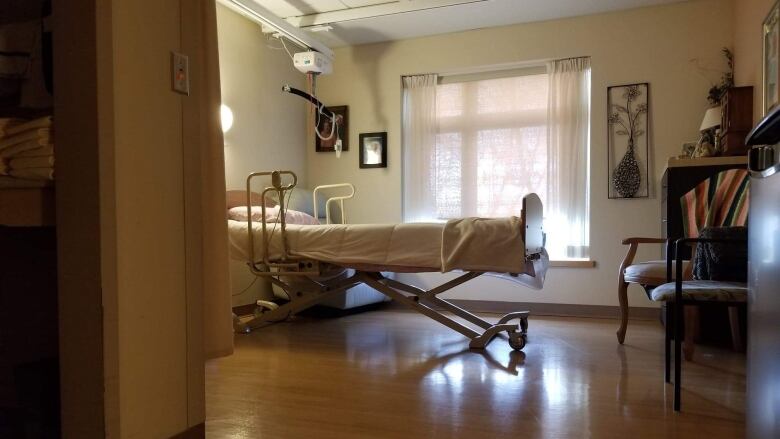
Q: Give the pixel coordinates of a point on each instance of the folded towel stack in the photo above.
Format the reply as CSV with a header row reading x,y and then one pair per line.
x,y
27,148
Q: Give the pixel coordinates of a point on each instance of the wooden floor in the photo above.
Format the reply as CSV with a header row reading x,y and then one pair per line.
x,y
393,374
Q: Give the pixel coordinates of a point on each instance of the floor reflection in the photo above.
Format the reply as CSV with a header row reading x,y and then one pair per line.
x,y
397,374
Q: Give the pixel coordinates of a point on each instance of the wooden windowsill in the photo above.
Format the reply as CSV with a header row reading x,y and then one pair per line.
x,y
573,264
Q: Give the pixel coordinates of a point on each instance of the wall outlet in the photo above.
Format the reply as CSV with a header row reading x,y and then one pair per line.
x,y
180,73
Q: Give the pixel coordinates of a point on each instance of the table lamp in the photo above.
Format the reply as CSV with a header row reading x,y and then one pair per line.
x,y
708,142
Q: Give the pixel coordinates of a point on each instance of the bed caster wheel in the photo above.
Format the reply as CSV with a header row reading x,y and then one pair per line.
x,y
524,326
239,327
517,341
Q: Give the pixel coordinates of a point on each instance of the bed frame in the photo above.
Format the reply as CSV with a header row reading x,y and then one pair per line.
x,y
306,291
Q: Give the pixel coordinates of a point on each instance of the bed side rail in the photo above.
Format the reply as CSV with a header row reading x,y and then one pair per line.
x,y
533,214
286,265
339,199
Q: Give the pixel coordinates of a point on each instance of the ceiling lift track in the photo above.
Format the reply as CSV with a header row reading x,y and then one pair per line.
x,y
373,11
259,14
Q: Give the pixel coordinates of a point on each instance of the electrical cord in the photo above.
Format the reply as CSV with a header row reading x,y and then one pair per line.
x,y
285,48
278,218
247,287
268,39
332,127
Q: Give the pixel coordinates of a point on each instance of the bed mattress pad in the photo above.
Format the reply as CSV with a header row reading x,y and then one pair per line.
x,y
469,244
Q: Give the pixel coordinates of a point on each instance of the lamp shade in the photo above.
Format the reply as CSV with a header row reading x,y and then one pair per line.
x,y
711,119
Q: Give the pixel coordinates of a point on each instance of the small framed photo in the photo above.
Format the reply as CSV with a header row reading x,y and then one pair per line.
x,y
771,70
373,150
328,135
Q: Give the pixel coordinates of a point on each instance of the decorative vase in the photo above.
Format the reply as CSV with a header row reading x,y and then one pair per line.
x,y
626,176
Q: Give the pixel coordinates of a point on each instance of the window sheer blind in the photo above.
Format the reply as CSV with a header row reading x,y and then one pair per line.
x,y
487,143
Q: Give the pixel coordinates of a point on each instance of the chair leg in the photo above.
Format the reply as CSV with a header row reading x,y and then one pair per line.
x,y
668,342
691,323
623,298
736,333
678,334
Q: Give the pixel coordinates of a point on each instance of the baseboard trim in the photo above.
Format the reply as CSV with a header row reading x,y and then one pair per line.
x,y
540,309
555,309
194,432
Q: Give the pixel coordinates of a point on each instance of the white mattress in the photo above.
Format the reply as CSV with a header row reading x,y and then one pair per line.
x,y
470,244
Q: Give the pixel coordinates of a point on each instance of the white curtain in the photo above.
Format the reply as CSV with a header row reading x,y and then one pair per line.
x,y
418,145
568,136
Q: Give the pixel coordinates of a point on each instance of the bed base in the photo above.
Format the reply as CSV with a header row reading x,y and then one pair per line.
x,y
427,303
307,292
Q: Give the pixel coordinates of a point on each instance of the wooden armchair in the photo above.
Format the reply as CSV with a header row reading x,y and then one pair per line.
x,y
649,275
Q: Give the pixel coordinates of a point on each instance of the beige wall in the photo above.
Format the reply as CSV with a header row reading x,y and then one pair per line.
x,y
150,226
748,47
268,131
654,45
131,359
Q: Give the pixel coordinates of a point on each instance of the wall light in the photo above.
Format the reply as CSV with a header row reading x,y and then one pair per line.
x,y
227,117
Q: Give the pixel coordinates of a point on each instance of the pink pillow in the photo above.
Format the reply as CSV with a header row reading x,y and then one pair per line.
x,y
272,215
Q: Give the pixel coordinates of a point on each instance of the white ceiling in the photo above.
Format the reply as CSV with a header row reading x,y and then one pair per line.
x,y
369,21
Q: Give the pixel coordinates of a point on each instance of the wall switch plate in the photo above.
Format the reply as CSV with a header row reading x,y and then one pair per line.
x,y
180,73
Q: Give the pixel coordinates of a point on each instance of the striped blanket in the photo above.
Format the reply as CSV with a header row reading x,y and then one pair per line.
x,y
721,200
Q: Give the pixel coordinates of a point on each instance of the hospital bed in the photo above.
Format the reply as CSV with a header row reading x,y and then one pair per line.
x,y
312,263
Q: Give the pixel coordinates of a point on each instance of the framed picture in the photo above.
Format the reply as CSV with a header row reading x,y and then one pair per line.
x,y
628,111
771,71
373,150
328,135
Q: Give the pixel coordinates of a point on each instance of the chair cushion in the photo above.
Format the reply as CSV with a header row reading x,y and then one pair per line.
x,y
650,272
704,291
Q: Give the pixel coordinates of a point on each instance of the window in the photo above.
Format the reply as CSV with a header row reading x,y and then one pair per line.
x,y
491,146
476,147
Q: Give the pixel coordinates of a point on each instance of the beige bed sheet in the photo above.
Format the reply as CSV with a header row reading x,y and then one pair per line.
x,y
471,244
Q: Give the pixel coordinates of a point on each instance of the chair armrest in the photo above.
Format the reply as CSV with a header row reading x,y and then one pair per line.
x,y
633,244
628,241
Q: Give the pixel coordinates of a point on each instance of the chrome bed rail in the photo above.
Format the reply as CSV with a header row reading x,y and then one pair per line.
x,y
340,199
287,265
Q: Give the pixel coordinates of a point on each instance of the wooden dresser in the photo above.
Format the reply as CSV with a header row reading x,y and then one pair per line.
x,y
736,121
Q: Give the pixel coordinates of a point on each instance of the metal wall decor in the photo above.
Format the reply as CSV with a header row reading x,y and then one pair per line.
x,y
628,108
